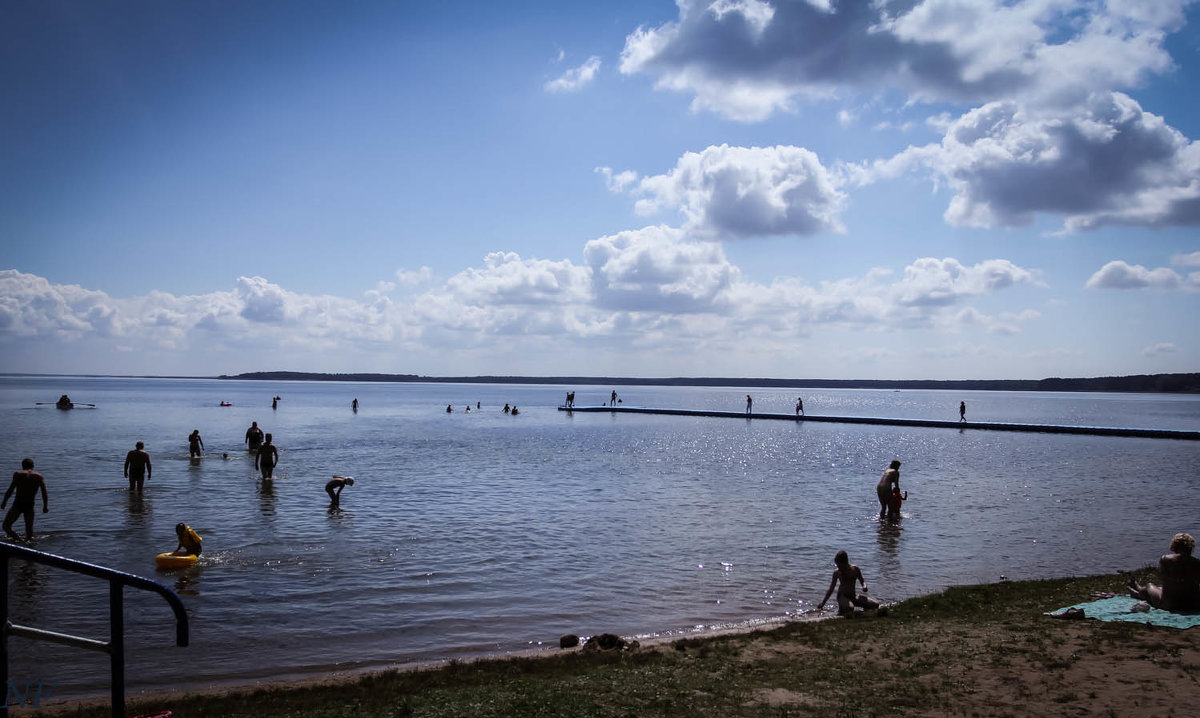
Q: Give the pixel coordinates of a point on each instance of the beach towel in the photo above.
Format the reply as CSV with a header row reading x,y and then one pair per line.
x,y
1120,608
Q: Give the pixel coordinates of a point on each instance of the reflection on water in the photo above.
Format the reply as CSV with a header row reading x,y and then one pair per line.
x,y
476,532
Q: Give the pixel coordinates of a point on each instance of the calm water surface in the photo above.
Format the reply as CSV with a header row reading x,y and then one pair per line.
x,y
475,533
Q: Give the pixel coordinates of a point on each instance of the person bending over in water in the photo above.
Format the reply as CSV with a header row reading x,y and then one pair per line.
x,y
26,483
1180,571
847,573
266,458
137,463
887,483
335,486
189,540
195,444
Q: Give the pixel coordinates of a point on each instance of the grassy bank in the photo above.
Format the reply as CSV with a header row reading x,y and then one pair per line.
x,y
976,650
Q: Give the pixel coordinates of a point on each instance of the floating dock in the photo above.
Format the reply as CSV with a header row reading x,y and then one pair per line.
x,y
923,423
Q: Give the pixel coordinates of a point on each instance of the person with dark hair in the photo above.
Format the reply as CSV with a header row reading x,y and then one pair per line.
x,y
334,489
1180,572
137,467
266,458
889,482
195,444
189,541
846,574
254,437
26,483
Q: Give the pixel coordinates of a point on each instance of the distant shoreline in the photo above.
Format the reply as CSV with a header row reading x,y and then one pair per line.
x,y
1141,383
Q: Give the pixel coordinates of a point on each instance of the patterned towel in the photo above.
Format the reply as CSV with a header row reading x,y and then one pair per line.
x,y
1120,608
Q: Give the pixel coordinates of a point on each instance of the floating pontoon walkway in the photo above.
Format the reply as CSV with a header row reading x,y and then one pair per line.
x,y
924,423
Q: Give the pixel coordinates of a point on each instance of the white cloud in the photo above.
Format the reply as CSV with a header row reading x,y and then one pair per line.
x,y
1122,275
749,59
1109,163
942,282
618,181
1186,260
1159,349
737,192
576,78
410,278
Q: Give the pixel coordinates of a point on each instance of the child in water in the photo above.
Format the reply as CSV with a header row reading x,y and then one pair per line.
x,y
189,540
847,573
894,503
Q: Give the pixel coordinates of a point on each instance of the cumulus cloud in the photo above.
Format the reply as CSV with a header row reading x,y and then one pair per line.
x,y
1159,349
941,282
576,78
736,192
747,59
1122,275
1191,259
1107,163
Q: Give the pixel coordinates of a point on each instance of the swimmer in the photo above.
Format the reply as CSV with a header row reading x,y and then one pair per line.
x,y
338,483
189,541
847,573
26,483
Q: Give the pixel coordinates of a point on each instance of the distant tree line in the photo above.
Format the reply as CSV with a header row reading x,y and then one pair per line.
x,y
1165,383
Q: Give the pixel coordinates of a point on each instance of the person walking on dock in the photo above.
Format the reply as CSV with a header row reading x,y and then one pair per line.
x,y
962,411
799,406
749,404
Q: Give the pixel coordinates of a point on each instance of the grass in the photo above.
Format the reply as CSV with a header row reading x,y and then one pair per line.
x,y
972,650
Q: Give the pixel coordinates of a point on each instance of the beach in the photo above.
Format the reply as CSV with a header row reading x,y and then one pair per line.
x,y
972,650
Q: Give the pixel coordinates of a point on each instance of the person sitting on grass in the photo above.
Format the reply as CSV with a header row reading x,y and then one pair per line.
x,y
1180,571
189,540
847,573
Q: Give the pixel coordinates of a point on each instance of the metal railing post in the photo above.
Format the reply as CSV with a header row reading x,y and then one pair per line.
x,y
4,631
116,645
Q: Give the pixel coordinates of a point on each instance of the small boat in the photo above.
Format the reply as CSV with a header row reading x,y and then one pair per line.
x,y
226,403
64,402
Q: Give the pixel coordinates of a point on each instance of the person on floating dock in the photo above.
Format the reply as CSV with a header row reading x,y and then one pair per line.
x,y
266,458
26,483
137,467
889,482
1181,579
799,406
962,411
749,404
189,540
846,574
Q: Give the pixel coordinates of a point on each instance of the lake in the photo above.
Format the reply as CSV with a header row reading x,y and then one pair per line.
x,y
480,533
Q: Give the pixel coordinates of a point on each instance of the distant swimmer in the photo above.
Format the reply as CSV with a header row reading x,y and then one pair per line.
x,y
507,408
1180,576
887,483
266,458
189,541
514,411
449,409
749,404
846,574
137,467
334,488
254,437
275,403
354,404
195,444
478,406
26,483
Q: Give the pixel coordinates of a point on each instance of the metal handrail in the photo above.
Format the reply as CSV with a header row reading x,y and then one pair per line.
x,y
114,647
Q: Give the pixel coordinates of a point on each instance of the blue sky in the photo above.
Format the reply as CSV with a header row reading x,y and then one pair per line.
x,y
942,189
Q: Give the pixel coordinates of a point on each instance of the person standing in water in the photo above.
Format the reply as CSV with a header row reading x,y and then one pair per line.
x,y
26,483
334,489
137,467
887,483
195,444
254,437
266,458
354,405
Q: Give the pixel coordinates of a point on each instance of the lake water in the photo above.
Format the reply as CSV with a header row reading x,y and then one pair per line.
x,y
478,533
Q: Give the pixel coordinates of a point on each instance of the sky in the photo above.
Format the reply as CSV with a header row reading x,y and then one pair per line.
x,y
808,189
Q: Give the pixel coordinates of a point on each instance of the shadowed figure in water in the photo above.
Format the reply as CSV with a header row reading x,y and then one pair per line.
x,y
266,458
26,483
1180,576
334,489
254,437
137,467
195,444
889,482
